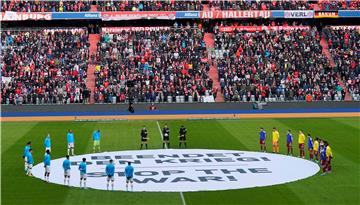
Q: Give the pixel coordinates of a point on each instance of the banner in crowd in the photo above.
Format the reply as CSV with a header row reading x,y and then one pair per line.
x,y
326,14
5,80
345,27
349,13
260,28
75,15
236,14
277,14
187,14
72,30
120,29
298,14
131,15
23,16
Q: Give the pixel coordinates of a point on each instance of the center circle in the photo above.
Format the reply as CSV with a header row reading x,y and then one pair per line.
x,y
183,170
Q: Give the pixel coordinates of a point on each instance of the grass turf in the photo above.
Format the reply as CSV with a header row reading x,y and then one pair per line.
x,y
340,187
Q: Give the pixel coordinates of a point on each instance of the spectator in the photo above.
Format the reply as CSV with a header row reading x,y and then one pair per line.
x,y
172,5
44,66
285,65
330,5
261,5
154,5
45,6
157,64
344,46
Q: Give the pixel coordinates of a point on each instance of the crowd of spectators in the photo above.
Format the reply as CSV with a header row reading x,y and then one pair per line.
x,y
153,5
45,6
262,5
174,5
286,65
148,66
344,46
331,5
44,66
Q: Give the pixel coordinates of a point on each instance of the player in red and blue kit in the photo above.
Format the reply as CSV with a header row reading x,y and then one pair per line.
x,y
311,147
262,139
289,141
323,159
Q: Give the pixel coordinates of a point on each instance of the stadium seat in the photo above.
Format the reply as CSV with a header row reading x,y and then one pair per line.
x,y
182,98
244,99
169,99
190,99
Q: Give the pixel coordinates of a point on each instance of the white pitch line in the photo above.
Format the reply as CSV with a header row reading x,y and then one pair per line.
x,y
161,136
182,198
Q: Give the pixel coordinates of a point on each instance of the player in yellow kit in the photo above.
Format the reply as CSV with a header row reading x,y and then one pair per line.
x,y
329,156
275,140
301,144
316,149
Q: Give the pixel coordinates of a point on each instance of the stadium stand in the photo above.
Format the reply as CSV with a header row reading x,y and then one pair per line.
x,y
44,66
166,65
214,60
45,6
329,5
344,46
274,65
155,5
172,5
265,5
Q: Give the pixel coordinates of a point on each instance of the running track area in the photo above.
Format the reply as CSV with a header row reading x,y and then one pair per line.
x,y
180,114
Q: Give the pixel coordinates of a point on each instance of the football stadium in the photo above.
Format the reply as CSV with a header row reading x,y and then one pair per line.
x,y
180,102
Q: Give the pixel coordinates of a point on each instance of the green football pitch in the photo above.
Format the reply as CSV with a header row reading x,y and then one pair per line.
x,y
339,187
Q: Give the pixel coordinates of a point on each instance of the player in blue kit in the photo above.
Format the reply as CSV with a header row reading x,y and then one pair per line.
x,y
311,147
47,143
129,174
67,168
82,169
289,143
262,135
29,162
71,142
110,171
47,160
96,139
26,150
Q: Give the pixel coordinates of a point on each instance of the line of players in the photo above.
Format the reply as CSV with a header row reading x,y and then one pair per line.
x,y
28,158
165,137
318,148
109,170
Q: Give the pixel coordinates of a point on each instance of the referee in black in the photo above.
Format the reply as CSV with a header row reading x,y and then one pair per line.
x,y
182,136
166,136
144,137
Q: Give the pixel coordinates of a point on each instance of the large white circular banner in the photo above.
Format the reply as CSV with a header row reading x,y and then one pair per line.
x,y
177,170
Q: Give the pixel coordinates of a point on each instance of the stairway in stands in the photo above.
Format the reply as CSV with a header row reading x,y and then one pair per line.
x,y
206,7
90,81
213,73
93,8
326,52
316,7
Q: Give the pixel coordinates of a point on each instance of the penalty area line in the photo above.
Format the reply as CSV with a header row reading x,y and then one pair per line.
x,y
161,136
